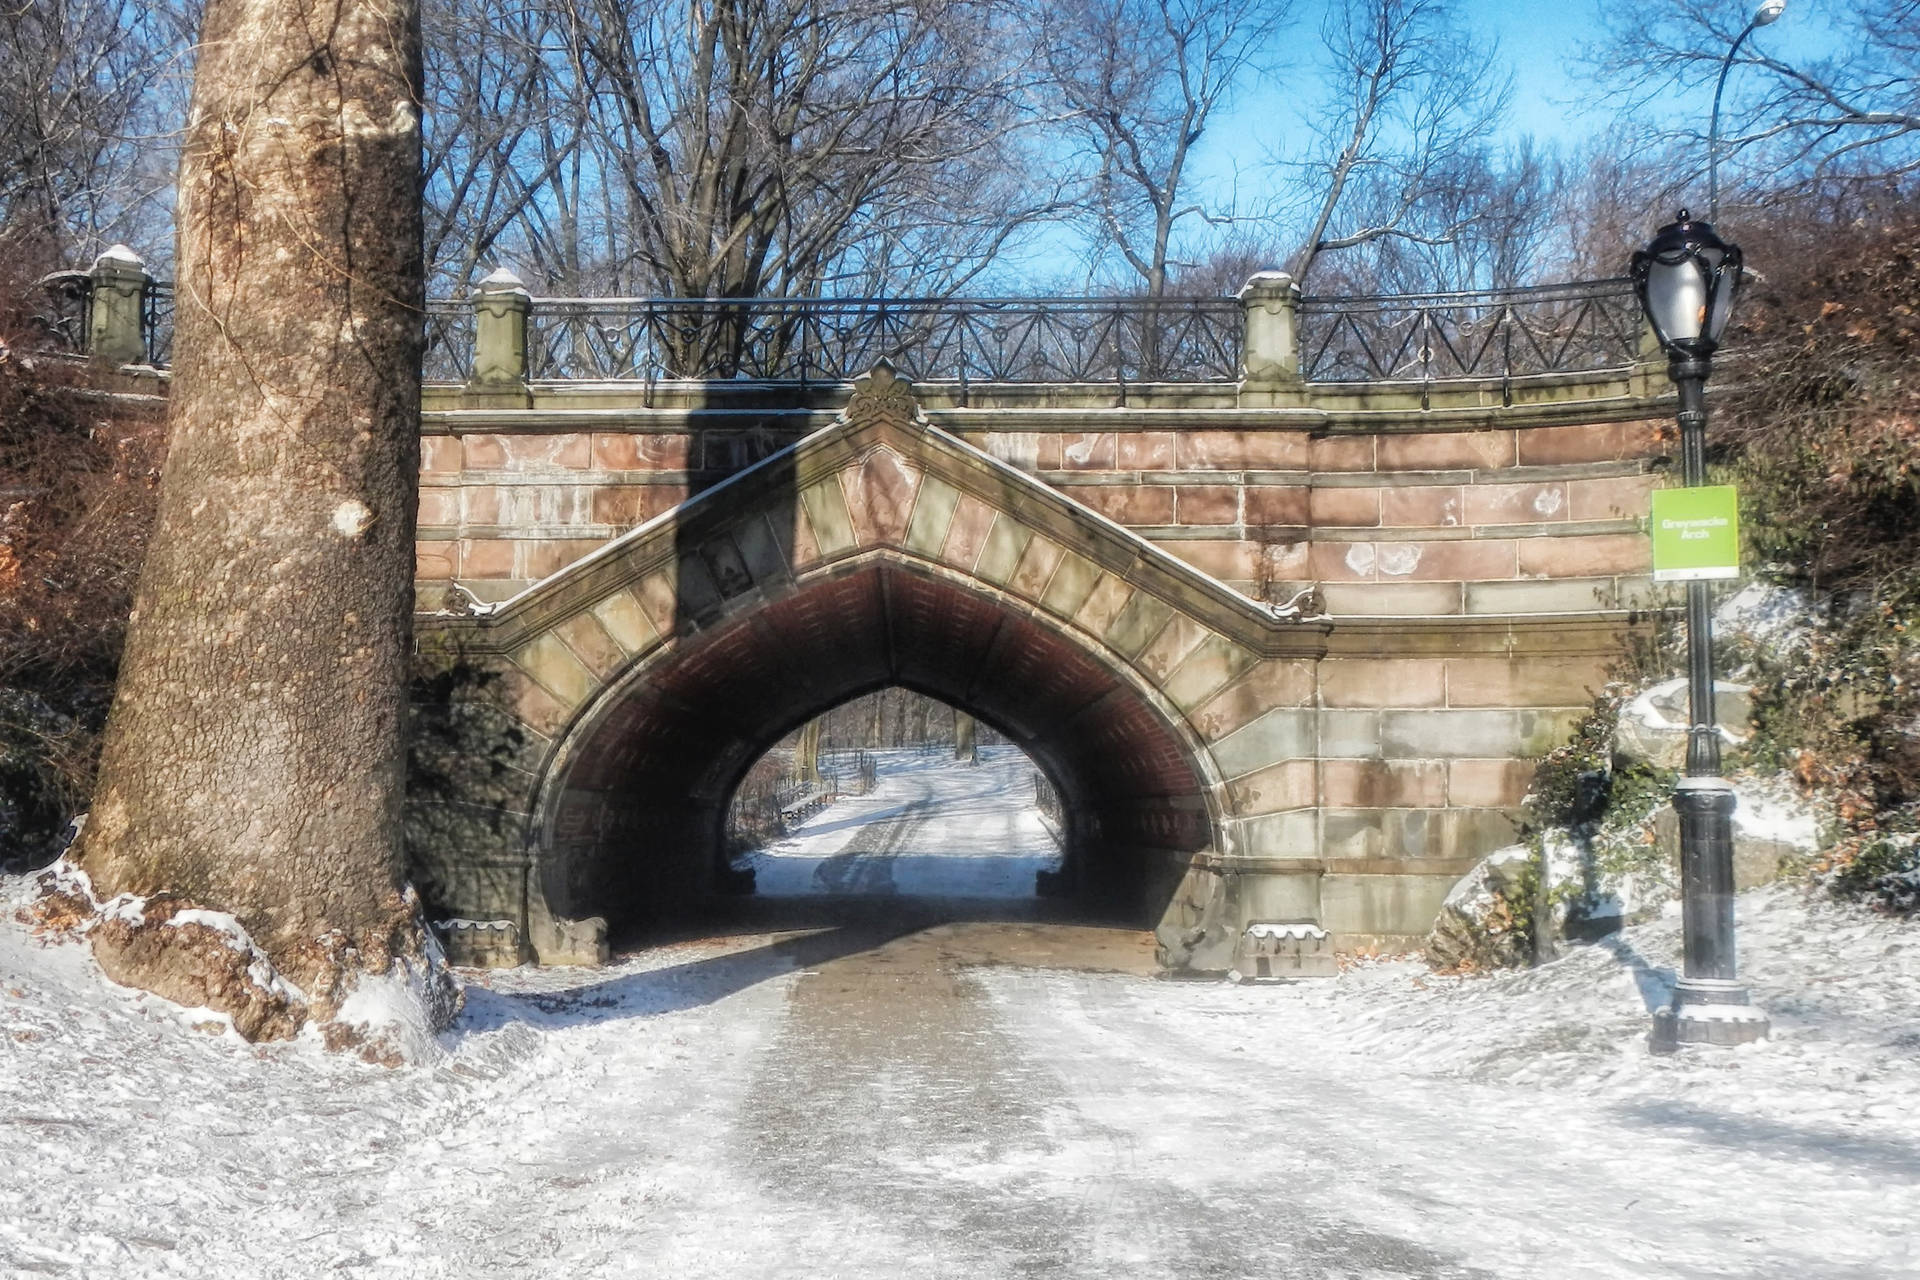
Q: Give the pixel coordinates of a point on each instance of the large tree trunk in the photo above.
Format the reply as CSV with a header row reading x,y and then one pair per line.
x,y
254,760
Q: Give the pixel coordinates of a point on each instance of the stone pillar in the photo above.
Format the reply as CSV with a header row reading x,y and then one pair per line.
x,y
1270,353
116,318
501,305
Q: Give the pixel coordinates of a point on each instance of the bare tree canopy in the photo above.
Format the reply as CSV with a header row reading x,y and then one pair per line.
x,y
795,147
1139,81
1401,145
89,94
1852,114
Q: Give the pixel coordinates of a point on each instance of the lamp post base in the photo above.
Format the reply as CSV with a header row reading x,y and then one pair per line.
x,y
1707,1011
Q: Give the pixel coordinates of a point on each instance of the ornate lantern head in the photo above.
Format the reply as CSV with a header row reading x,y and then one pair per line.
x,y
1687,279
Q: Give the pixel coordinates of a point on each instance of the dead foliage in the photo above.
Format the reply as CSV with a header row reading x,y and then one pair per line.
x,y
80,456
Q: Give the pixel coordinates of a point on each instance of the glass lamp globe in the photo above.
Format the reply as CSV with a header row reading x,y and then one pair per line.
x,y
1687,280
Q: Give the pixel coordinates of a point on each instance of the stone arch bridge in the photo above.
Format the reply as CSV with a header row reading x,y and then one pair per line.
x,y
1286,645
1284,594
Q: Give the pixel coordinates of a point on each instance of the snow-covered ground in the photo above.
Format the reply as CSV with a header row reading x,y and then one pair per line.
x,y
929,827
878,1102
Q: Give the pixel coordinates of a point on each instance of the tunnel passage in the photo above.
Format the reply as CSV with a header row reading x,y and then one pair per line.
x,y
634,810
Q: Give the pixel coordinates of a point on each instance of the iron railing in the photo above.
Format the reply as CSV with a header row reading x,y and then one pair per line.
x,y
835,339
450,338
156,322
1583,327
60,314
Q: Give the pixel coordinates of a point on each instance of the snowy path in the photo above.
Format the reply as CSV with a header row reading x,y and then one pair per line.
x,y
906,1096
929,827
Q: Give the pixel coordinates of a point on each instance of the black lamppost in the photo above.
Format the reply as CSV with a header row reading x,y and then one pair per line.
x,y
1687,279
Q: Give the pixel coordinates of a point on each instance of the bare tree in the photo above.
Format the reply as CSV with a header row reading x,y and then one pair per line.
x,y
1853,114
795,147
89,94
1139,82
503,131
1415,101
1489,220
254,760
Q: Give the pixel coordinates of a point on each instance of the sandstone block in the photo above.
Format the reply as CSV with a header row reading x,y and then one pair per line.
x,y
1204,504
590,643
1585,555
626,622
1070,585
1006,541
1216,661
1087,451
1424,506
1596,442
440,454
1144,450
1125,504
1381,682
1269,504
967,532
1444,450
1610,498
1343,506
1534,680
642,451
486,558
1515,503
1275,682
932,516
1488,784
1208,450
1283,733
1354,452
1290,784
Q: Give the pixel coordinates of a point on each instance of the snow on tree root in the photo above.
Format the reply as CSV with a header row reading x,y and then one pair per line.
x,y
387,1001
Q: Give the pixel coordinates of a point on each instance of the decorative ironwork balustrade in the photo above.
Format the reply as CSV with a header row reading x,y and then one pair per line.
x,y
60,315
450,340
157,322
1583,327
832,340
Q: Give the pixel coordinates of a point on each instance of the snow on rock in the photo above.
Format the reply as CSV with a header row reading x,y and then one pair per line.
x,y
198,959
393,1017
1653,723
1762,613
1480,922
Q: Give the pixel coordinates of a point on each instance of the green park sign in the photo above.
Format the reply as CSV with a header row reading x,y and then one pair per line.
x,y
1696,533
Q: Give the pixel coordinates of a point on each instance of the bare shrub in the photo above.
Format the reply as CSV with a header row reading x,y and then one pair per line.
x,y
79,466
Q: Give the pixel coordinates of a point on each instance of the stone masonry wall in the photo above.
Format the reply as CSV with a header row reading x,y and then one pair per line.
x,y
1478,564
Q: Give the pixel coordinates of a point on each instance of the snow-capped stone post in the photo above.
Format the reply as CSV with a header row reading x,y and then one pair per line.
x,y
501,308
253,771
1270,344
116,316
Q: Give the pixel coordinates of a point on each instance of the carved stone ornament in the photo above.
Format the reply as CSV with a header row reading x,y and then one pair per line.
x,y
881,395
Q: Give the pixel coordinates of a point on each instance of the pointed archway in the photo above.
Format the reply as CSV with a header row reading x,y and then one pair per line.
x,y
634,687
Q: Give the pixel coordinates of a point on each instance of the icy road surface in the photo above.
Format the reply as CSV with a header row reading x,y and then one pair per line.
x,y
902,1097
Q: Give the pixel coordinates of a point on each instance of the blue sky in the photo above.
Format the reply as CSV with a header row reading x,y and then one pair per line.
x,y
1538,40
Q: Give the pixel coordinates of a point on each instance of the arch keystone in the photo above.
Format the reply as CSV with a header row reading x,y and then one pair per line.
x,y
880,494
